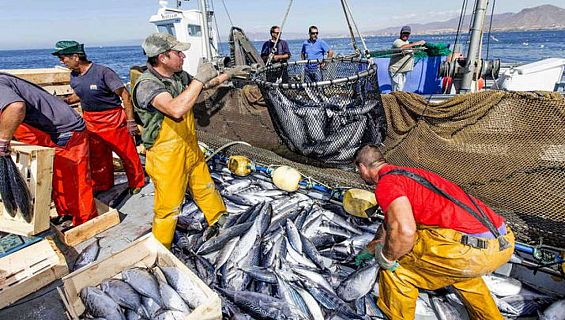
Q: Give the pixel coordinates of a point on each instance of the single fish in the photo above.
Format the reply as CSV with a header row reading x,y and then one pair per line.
x,y
151,306
132,315
502,286
192,294
5,189
124,295
258,305
556,311
171,315
99,304
143,282
359,283
88,254
20,190
171,299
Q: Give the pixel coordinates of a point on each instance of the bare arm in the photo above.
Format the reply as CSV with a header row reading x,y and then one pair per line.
x,y
401,229
278,57
413,44
72,99
177,107
10,118
379,237
126,100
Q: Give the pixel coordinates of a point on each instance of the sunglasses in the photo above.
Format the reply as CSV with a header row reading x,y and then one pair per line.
x,y
313,33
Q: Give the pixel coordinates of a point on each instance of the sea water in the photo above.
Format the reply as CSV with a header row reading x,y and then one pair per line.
x,y
511,47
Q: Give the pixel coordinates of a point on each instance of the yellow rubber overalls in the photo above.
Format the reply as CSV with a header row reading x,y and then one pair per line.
x,y
438,259
175,162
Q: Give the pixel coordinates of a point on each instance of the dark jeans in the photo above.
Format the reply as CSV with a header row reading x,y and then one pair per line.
x,y
312,75
274,75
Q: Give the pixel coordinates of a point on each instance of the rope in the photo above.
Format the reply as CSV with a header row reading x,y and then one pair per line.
x,y
357,29
346,14
451,73
227,13
223,147
279,35
490,27
216,25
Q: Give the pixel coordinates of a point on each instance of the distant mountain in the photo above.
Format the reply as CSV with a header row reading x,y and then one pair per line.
x,y
536,18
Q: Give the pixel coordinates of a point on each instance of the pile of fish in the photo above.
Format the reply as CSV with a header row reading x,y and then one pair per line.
x,y
283,255
161,293
13,190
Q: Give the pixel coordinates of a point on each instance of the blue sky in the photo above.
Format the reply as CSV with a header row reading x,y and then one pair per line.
x,y
40,23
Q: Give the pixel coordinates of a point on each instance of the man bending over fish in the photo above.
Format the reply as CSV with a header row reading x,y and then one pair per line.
x,y
434,235
34,116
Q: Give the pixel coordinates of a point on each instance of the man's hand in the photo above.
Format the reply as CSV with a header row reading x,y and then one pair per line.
x,y
420,43
372,245
382,260
4,147
132,127
206,72
238,71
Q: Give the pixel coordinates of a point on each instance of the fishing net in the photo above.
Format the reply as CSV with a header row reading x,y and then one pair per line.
x,y
506,148
324,110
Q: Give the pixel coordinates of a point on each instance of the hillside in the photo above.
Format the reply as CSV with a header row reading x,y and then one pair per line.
x,y
536,18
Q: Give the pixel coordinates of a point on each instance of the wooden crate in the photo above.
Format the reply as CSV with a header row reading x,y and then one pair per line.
x,y
107,218
146,252
30,269
55,80
36,165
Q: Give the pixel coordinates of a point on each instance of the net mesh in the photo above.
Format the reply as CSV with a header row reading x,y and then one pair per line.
x,y
324,110
506,148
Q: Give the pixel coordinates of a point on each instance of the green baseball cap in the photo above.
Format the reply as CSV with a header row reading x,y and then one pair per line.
x,y
65,47
159,42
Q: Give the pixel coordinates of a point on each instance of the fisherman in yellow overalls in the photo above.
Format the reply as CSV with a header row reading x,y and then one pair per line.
x,y
435,235
164,96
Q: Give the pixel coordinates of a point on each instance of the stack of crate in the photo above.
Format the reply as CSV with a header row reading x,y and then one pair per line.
x,y
29,259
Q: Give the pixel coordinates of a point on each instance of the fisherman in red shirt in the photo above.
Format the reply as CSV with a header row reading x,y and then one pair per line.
x,y
434,235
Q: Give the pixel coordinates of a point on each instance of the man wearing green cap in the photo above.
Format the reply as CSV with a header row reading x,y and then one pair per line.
x,y
164,97
111,127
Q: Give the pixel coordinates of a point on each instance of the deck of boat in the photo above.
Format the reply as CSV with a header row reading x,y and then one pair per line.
x,y
136,214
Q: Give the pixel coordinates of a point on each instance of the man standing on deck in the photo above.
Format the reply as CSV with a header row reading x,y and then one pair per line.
x,y
434,235
164,97
34,116
280,53
314,49
111,127
402,62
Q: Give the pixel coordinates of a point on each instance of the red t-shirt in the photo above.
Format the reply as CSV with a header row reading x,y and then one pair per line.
x,y
430,208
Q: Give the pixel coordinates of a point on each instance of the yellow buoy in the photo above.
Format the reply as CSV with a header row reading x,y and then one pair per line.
x,y
356,201
286,178
240,165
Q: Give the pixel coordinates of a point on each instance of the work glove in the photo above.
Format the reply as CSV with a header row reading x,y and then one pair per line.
x,y
206,72
363,257
4,147
384,262
238,71
132,127
215,228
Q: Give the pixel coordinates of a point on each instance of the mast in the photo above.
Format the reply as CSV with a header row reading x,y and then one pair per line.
x,y
474,45
205,29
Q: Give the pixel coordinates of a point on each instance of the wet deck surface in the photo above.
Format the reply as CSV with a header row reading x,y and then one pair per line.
x,y
136,214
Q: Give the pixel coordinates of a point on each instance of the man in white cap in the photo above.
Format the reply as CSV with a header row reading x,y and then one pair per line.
x,y
402,62
164,97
